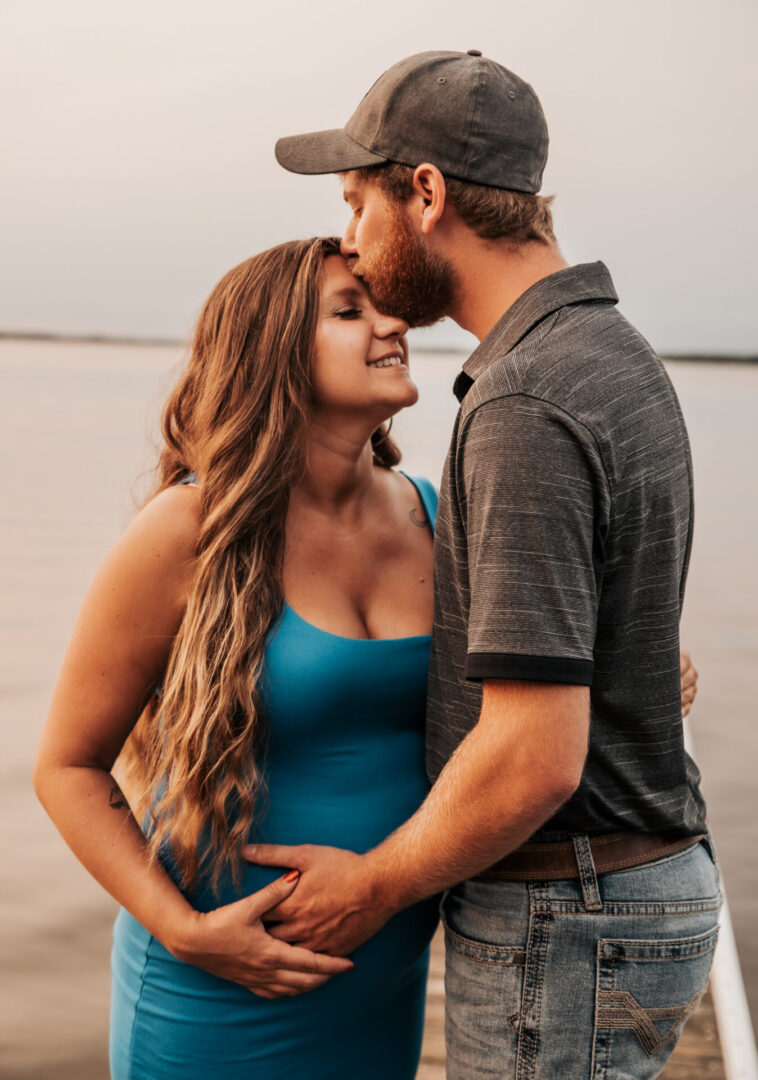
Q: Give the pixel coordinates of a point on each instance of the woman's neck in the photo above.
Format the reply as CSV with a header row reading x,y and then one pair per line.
x,y
340,470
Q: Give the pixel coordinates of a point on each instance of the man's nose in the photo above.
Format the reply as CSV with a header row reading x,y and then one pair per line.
x,y
347,243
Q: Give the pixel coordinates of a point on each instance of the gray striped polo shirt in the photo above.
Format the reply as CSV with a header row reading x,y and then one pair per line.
x,y
562,545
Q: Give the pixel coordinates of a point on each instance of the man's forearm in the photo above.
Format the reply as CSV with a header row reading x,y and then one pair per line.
x,y
494,792
466,823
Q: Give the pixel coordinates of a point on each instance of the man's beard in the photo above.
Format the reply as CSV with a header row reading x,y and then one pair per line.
x,y
404,278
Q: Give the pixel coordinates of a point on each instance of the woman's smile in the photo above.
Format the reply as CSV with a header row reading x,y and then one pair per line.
x,y
394,359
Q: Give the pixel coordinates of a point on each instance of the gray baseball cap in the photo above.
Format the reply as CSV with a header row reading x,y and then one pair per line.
x,y
468,115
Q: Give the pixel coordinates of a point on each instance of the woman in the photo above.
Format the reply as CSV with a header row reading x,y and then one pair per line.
x,y
283,602
254,652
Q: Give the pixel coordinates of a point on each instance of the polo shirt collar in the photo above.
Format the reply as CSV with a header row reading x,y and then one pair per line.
x,y
574,285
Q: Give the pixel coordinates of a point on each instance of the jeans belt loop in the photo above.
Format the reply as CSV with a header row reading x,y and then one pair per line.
x,y
587,873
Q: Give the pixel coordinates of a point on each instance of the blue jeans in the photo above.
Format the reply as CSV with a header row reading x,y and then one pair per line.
x,y
567,980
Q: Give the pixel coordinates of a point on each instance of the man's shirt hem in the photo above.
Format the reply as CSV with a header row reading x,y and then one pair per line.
x,y
550,669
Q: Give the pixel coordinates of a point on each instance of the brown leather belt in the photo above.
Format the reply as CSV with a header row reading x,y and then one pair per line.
x,y
557,862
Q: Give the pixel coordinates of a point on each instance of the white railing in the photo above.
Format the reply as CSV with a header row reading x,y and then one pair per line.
x,y
730,1005
728,993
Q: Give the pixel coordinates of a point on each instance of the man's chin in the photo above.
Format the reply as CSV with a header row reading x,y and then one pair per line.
x,y
414,306
415,319
389,306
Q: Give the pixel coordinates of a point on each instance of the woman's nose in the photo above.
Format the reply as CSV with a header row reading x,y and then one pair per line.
x,y
389,326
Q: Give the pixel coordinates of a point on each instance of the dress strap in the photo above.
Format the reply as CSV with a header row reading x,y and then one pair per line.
x,y
427,493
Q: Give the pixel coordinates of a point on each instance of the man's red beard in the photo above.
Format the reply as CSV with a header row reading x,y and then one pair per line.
x,y
404,278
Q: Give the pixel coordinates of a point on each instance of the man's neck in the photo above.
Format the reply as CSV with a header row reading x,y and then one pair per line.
x,y
492,277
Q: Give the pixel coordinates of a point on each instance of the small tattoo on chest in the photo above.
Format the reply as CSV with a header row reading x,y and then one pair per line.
x,y
417,519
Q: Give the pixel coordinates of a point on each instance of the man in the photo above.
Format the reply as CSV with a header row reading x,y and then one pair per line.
x,y
565,817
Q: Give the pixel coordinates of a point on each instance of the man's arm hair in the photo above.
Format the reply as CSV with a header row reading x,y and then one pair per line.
x,y
520,763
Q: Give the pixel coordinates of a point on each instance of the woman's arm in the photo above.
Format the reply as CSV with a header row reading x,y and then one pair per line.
x,y
117,653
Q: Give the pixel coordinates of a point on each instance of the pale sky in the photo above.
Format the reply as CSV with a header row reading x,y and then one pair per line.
x,y
138,143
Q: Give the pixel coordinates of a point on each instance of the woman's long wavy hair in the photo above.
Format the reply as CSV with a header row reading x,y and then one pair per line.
x,y
237,419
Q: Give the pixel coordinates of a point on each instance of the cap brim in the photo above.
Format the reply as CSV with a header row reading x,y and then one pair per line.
x,y
324,152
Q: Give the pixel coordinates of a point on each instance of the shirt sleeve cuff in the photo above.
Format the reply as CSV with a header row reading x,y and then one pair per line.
x,y
549,669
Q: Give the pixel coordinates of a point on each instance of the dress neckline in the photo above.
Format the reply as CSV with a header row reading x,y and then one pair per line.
x,y
343,637
359,640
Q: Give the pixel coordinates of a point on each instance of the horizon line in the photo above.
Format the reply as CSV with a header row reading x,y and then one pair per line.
x,y
128,339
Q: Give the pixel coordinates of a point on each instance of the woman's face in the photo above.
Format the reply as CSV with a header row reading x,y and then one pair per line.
x,y
360,366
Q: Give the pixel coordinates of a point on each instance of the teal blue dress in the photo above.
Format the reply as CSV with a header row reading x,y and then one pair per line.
x,y
344,767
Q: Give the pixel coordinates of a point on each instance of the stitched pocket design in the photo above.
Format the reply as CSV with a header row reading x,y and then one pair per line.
x,y
646,990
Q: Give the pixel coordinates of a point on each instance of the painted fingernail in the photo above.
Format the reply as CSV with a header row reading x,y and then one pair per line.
x,y
292,876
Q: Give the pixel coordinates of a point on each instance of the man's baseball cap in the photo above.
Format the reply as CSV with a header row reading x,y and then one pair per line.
x,y
468,115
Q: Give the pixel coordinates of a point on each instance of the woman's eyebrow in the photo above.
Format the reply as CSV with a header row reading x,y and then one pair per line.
x,y
350,292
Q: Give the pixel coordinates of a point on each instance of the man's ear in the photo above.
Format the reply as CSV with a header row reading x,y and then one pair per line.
x,y
429,185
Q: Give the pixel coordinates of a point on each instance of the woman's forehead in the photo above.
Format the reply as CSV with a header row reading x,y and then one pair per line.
x,y
339,279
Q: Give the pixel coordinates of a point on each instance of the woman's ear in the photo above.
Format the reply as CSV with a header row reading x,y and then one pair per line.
x,y
429,184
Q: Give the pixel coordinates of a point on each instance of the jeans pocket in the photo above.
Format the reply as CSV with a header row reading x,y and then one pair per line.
x,y
646,990
483,988
710,847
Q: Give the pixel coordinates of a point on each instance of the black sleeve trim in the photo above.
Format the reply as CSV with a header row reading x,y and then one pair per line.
x,y
550,669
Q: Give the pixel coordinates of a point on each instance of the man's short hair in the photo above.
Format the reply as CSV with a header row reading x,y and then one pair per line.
x,y
492,213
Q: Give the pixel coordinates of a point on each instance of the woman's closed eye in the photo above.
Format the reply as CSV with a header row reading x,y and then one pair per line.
x,y
348,313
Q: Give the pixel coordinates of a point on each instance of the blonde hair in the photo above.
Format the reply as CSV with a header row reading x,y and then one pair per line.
x,y
492,213
236,419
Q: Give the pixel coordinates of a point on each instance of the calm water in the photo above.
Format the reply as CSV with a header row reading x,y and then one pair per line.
x,y
75,425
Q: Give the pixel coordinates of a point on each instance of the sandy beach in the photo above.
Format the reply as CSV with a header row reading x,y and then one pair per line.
x,y
76,425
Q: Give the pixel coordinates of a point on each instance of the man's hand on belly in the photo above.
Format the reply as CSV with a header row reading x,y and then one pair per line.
x,y
336,905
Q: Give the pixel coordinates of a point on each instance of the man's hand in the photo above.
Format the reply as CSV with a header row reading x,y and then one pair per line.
x,y
689,675
337,905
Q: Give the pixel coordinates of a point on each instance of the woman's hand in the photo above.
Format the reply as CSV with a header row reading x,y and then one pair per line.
x,y
232,942
689,675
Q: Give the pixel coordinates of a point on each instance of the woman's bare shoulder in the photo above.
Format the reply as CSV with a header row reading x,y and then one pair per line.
x,y
157,552
171,520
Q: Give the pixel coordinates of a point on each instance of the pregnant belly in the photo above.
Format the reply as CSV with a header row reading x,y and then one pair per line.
x,y
194,1022
394,958
348,817
198,1019
330,809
